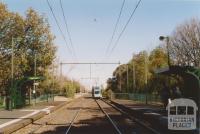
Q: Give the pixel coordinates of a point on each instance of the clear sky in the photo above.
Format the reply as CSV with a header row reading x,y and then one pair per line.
x,y
91,23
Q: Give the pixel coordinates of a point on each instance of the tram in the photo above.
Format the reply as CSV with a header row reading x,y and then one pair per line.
x,y
96,92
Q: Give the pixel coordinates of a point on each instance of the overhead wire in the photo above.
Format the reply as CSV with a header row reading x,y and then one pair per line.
x,y
115,28
63,36
67,28
69,35
125,26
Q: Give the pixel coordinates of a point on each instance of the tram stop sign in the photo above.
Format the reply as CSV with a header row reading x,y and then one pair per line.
x,y
36,78
36,83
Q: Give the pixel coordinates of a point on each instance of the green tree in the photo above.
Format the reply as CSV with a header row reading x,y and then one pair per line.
x,y
30,36
157,59
141,69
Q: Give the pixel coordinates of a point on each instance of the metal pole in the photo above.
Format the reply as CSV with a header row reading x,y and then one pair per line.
x,y
90,76
12,66
90,72
34,86
53,84
61,70
168,57
127,77
72,84
120,82
133,75
146,75
10,105
90,63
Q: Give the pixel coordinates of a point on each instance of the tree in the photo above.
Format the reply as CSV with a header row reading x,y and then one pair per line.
x,y
39,42
11,26
185,44
143,66
157,59
30,36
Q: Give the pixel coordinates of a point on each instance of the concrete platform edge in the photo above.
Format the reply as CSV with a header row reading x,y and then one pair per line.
x,y
24,122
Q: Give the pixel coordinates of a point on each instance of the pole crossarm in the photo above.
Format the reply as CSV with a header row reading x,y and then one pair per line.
x,y
90,63
90,78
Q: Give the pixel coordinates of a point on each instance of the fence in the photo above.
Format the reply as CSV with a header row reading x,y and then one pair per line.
x,y
38,99
141,98
41,98
2,101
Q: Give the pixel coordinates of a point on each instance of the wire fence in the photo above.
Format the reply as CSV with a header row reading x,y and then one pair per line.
x,y
137,97
41,98
2,101
30,101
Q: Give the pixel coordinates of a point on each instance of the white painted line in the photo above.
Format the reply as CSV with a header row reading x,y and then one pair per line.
x,y
26,116
16,120
29,110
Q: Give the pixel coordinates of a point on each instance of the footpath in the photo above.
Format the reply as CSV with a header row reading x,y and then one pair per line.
x,y
11,121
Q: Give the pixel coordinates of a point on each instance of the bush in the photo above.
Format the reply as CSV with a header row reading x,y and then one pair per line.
x,y
106,93
70,92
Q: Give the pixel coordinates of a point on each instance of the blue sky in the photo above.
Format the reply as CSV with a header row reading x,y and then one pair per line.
x,y
90,38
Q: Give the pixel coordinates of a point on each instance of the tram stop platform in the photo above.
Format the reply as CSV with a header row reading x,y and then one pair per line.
x,y
11,121
155,114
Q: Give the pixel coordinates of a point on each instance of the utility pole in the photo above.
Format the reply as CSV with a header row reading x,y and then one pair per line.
x,y
96,79
134,86
61,70
53,83
146,75
120,80
10,99
90,72
34,86
127,78
87,63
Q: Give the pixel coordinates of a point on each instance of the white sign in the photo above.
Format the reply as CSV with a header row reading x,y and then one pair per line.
x,y
36,84
182,114
33,91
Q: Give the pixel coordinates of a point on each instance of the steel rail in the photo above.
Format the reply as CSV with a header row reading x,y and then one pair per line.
x,y
72,121
50,118
74,118
111,121
132,118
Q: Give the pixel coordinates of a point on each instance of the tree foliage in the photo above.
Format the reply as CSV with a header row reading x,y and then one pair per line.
x,y
185,44
184,50
31,38
140,68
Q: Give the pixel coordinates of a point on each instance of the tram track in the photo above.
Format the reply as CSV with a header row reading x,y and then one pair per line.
x,y
99,124
86,116
49,120
144,124
72,121
109,118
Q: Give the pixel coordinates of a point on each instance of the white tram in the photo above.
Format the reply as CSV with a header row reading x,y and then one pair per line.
x,y
96,92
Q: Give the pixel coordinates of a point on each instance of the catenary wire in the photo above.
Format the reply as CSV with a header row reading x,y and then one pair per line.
x,y
52,12
124,28
115,28
67,28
